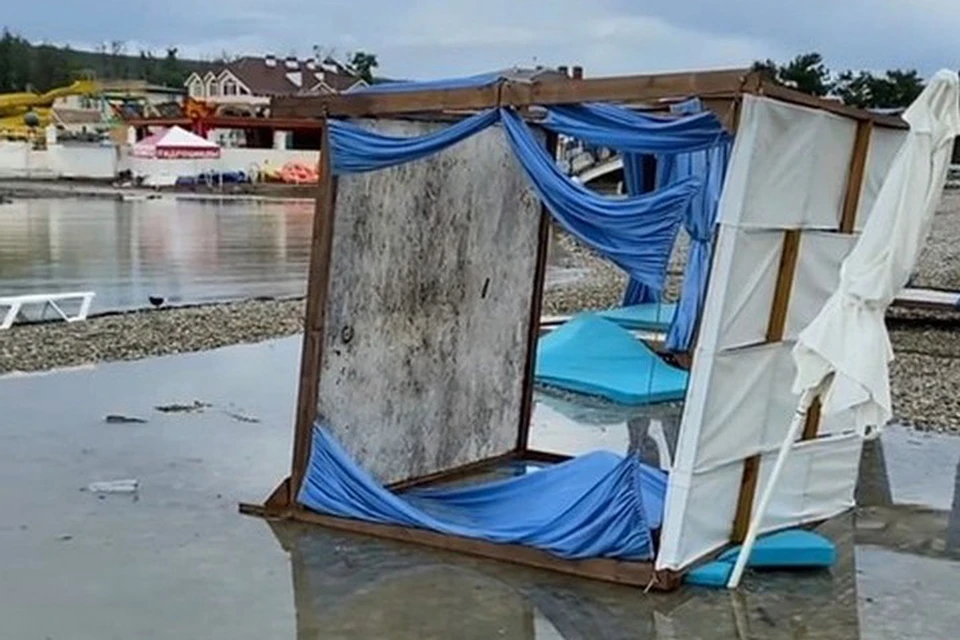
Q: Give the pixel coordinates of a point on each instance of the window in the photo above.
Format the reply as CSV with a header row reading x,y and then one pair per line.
x,y
196,89
229,88
212,88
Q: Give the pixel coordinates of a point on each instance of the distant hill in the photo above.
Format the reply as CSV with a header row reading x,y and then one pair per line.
x,y
39,67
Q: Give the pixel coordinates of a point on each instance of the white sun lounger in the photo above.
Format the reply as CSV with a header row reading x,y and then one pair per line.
x,y
932,299
15,305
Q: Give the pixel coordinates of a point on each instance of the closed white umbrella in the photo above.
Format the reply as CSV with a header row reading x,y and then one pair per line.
x,y
843,355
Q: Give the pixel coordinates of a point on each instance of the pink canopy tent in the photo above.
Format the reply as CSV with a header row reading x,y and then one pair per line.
x,y
176,143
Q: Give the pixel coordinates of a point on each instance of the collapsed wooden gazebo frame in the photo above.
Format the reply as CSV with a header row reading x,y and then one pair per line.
x,y
719,91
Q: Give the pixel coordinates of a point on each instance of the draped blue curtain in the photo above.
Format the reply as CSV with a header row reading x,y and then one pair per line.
x,y
630,131
636,134
699,221
636,233
633,176
356,150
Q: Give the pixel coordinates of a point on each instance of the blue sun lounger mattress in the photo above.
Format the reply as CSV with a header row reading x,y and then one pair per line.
x,y
594,356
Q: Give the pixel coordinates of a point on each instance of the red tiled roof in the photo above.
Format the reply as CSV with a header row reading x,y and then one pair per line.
x,y
280,79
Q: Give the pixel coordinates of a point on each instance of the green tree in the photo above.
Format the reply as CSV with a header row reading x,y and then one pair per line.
x,y
806,73
172,71
364,63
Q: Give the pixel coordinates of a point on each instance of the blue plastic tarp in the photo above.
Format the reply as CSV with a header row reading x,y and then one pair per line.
x,y
594,356
597,505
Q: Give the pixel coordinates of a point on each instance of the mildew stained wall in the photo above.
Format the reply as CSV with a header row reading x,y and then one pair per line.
x,y
432,275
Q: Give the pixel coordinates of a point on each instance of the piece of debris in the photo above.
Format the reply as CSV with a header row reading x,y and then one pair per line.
x,y
115,418
66,537
197,406
242,418
114,486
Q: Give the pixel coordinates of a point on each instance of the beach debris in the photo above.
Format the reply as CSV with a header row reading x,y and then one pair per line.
x,y
126,485
116,418
196,407
239,417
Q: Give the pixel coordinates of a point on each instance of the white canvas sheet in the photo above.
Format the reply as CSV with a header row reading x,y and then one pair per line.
x,y
884,144
818,482
791,168
788,171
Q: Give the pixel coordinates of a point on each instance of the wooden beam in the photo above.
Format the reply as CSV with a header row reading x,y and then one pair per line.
x,y
785,275
792,96
848,218
748,489
533,321
633,573
858,164
534,455
318,281
512,93
812,423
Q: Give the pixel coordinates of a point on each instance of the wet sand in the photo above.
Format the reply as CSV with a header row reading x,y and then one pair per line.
x,y
176,560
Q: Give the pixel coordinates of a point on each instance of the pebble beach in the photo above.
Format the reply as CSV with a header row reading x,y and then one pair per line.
x,y
924,375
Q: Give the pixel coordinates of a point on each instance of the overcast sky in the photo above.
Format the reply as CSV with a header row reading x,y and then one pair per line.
x,y
444,38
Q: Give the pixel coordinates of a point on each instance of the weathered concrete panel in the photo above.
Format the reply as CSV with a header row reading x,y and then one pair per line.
x,y
426,320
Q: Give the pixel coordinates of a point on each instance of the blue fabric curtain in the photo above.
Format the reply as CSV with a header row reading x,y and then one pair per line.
x,y
635,134
700,224
699,221
633,176
356,149
636,233
596,505
630,131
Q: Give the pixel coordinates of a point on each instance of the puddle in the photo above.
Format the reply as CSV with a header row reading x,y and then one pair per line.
x,y
181,562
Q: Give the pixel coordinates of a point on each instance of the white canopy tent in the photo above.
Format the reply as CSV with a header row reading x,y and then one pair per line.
x,y
843,354
171,153
176,143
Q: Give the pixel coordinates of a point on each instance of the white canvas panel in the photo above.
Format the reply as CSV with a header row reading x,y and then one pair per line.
x,y
739,384
789,167
818,482
754,265
817,275
884,145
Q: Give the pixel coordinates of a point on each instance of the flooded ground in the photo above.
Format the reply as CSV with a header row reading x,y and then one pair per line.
x,y
175,560
182,250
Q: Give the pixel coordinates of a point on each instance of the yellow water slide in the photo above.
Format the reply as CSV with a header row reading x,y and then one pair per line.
x,y
13,106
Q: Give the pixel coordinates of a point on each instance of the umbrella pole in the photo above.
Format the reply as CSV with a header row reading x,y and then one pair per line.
x,y
799,417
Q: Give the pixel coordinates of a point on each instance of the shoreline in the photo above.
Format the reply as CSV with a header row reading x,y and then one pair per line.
x,y
923,375
34,189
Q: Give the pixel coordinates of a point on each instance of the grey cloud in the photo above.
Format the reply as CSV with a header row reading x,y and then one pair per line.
x,y
429,38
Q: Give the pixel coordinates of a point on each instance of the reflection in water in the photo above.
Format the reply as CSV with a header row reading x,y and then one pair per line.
x,y
353,587
185,251
357,587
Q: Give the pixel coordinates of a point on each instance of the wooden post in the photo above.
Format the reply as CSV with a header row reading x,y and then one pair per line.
x,y
781,295
848,218
775,327
858,164
318,282
536,306
748,490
